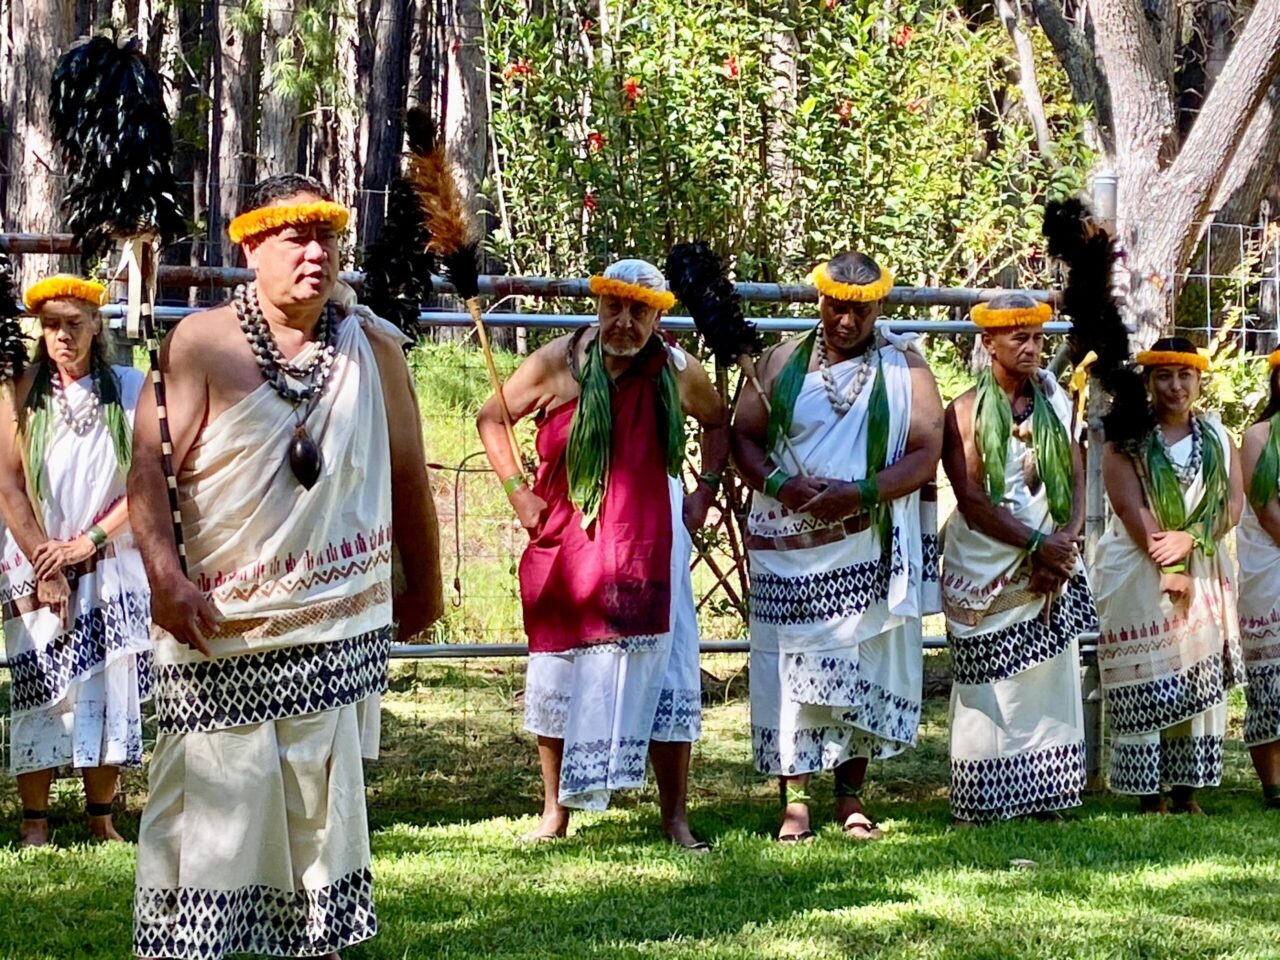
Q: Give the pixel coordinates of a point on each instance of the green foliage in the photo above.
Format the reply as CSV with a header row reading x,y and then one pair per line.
x,y
904,137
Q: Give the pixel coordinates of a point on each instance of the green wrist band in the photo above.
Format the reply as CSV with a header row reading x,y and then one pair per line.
x,y
97,536
712,480
513,483
1175,568
774,481
868,492
1036,541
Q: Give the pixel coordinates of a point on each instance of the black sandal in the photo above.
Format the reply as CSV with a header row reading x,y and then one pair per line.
x,y
804,836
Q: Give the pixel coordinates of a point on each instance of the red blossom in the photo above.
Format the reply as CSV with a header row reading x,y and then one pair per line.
x,y
589,202
831,4
844,111
632,89
917,105
595,141
588,24
517,69
730,67
903,36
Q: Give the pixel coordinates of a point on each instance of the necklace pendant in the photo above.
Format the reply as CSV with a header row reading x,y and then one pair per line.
x,y
304,458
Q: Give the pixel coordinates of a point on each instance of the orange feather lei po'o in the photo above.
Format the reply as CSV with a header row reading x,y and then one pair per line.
x,y
995,318
877,289
1173,358
63,288
609,287
264,219
1273,360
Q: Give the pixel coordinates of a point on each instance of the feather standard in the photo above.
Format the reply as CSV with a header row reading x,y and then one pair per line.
x,y
698,278
1088,253
13,343
434,180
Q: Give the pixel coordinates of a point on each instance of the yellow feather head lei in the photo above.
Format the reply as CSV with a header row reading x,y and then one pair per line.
x,y
1273,360
1173,358
254,223
63,287
851,292
990,317
602,286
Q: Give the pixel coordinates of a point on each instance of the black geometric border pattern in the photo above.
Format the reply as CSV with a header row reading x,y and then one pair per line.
x,y
1000,654
1157,704
42,677
270,685
1141,769
1262,713
931,556
1037,781
679,715
190,923
819,597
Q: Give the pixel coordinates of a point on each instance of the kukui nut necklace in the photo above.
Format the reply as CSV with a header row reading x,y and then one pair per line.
x,y
299,384
80,423
843,403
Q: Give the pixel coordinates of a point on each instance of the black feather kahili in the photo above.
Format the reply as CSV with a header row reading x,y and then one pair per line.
x,y
13,343
398,266
110,124
698,278
1089,256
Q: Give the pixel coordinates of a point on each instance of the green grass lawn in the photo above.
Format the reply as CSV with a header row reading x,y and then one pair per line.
x,y
458,784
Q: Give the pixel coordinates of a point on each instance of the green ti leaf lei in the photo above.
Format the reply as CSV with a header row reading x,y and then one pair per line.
x,y
591,432
992,427
786,388
1266,475
1164,490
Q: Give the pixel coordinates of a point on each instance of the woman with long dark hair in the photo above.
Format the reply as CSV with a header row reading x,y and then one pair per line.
x,y
1258,550
1170,645
74,592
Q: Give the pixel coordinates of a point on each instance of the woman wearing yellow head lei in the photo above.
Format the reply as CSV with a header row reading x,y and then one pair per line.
x,y
1171,633
1258,551
77,625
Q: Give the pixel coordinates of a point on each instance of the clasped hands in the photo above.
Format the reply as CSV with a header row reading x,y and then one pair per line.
x,y
49,560
1169,548
1054,562
825,498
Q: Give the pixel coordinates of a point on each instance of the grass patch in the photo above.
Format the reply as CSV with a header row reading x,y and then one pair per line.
x,y
458,783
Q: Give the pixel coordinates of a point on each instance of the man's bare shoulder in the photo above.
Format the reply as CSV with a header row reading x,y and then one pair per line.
x,y
191,340
917,362
386,348
550,359
775,358
962,406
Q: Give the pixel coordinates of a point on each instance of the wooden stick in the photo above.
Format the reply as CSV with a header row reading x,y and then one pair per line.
x,y
747,364
473,307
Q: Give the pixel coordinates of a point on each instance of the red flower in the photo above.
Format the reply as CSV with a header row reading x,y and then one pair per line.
x,y
595,142
903,36
588,24
517,69
831,4
917,105
632,89
844,111
589,202
730,67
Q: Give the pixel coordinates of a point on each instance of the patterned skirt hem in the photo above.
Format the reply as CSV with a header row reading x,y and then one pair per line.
x,y
190,923
1052,804
820,748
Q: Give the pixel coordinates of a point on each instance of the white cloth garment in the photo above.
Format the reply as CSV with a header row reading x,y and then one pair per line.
x,y
76,689
1166,670
1017,717
1259,558
254,839
836,655
608,701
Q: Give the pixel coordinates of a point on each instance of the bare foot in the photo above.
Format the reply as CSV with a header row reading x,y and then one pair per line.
x,y
678,832
552,826
855,822
795,824
34,833
104,829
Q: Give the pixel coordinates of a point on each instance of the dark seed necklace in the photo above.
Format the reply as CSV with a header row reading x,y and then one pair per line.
x,y
300,384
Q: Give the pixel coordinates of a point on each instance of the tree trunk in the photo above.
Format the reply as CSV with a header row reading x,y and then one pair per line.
x,y
278,131
234,65
385,34
423,85
35,35
1027,81
777,174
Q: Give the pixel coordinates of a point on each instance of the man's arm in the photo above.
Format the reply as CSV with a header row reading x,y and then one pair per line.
x,y
415,530
176,604
700,400
532,387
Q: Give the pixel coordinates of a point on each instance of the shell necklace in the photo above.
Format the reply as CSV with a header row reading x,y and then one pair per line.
x,y
82,422
842,403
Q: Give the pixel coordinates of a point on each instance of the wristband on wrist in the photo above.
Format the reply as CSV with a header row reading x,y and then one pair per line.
x,y
868,492
1036,541
773,482
1175,568
97,536
513,483
712,480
